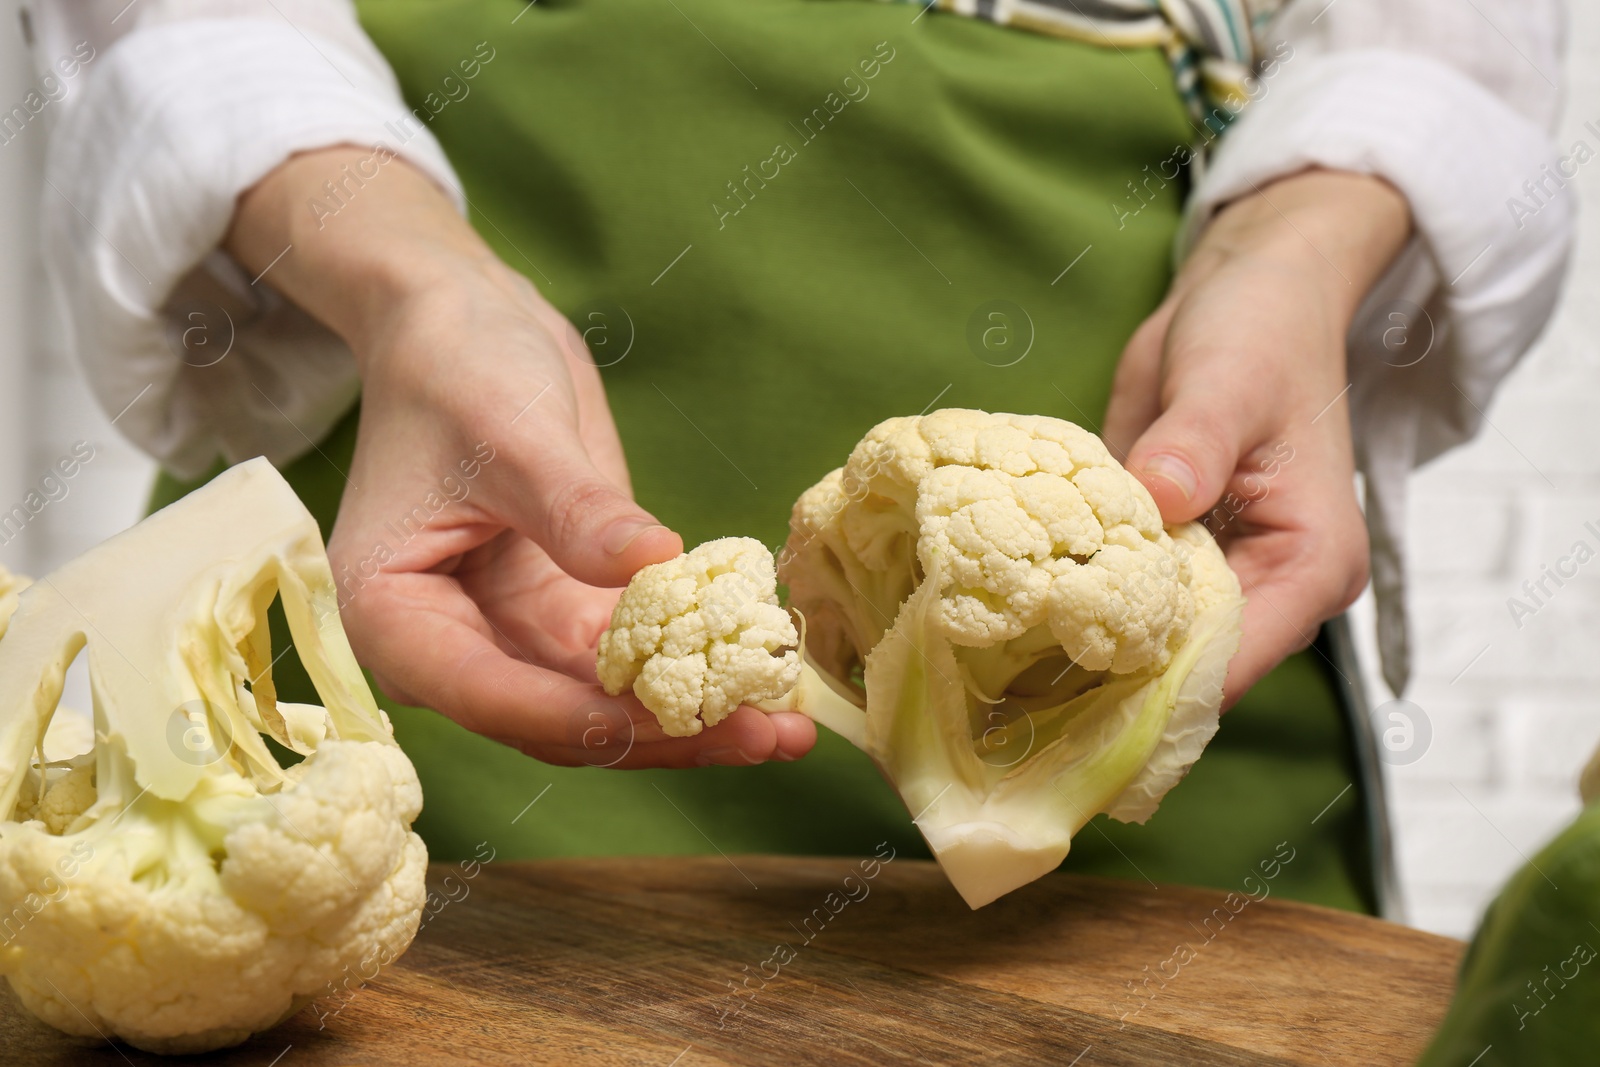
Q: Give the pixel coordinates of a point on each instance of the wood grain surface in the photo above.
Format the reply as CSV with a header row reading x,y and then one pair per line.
x,y
676,962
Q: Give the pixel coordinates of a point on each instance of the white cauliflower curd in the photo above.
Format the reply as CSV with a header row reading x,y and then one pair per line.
x,y
699,635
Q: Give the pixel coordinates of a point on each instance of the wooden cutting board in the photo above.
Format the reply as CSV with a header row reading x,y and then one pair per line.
x,y
688,962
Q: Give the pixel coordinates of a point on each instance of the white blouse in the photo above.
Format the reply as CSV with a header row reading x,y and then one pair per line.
x,y
175,107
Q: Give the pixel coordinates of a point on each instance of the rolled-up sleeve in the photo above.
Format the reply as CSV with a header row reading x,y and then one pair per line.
x,y
181,107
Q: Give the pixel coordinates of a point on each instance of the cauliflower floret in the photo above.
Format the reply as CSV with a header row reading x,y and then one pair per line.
x,y
699,635
1126,613
132,928
68,792
1026,520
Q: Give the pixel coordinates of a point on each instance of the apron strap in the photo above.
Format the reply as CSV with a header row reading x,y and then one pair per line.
x,y
1213,45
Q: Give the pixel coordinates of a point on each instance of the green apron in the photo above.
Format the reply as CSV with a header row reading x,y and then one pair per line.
x,y
783,221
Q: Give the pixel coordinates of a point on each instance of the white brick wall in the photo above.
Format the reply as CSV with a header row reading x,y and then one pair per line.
x,y
1509,735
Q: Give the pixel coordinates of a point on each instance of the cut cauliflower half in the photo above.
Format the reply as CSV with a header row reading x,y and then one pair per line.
x,y
175,886
697,636
1032,645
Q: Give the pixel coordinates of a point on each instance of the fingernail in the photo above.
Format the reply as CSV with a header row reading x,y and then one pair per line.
x,y
619,535
727,756
781,756
1175,470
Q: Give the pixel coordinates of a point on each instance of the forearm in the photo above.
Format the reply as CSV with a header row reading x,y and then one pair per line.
x,y
1342,230
389,235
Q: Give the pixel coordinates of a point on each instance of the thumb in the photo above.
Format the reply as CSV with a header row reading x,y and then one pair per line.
x,y
587,524
1189,454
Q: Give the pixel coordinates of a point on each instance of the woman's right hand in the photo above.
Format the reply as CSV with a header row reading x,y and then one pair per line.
x,y
488,520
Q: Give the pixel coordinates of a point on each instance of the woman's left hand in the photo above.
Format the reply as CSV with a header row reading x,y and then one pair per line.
x,y
1229,405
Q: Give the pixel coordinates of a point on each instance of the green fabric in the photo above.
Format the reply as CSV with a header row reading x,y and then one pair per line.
x,y
1529,986
976,166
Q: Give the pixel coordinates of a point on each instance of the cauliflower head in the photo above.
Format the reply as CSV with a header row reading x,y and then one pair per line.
x,y
1030,645
174,885
699,635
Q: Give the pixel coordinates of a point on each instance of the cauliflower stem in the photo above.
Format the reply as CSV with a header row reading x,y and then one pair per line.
x,y
825,701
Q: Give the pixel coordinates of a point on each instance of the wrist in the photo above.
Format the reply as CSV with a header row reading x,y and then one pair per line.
x,y
354,234
1338,229
413,312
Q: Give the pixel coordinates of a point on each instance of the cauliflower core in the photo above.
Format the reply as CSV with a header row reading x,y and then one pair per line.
x,y
174,886
699,635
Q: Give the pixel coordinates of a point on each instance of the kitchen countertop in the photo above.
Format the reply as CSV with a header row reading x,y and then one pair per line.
x,y
693,961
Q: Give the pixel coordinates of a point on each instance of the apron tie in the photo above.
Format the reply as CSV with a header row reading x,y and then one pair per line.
x,y
1213,45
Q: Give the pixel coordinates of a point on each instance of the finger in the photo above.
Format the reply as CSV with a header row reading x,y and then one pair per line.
x,y
1272,629
502,579
590,527
1268,635
414,637
596,427
1135,400
420,637
795,735
612,740
1190,453
1292,581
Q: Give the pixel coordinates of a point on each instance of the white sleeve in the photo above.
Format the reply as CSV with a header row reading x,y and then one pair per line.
x,y
175,108
1454,105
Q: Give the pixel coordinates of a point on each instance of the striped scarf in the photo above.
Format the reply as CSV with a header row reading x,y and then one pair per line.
x,y
1211,44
